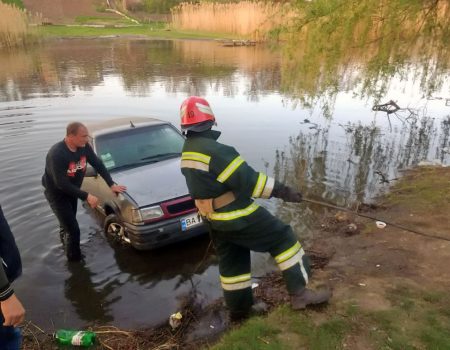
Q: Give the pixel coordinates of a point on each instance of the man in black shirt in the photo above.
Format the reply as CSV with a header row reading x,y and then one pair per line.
x,y
65,167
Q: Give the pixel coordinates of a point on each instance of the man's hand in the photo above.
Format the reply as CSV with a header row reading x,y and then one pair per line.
x,y
118,188
92,200
13,311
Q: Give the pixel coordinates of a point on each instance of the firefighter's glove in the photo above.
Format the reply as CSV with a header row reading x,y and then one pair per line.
x,y
286,193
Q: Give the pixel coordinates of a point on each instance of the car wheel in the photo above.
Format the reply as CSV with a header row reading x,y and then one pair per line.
x,y
114,228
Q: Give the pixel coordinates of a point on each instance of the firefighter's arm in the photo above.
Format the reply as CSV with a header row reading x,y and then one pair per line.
x,y
232,170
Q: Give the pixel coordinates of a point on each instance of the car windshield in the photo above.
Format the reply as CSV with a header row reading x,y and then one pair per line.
x,y
138,146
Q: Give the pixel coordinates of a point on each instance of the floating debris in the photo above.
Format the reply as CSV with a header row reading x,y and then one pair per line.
x,y
388,107
231,43
175,320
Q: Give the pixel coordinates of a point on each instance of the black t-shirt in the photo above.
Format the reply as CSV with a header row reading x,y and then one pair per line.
x,y
64,169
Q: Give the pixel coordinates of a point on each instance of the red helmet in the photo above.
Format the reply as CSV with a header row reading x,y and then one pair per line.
x,y
196,114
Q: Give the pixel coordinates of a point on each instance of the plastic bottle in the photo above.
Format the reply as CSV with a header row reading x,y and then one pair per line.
x,y
70,337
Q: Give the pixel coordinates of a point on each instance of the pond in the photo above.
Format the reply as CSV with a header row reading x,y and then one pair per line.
x,y
345,155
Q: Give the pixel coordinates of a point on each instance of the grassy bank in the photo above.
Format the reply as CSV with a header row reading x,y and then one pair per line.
x,y
392,285
343,325
156,30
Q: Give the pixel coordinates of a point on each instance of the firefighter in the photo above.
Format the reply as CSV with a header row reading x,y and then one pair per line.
x,y
223,186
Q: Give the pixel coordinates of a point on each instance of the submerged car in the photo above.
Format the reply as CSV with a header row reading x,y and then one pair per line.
x,y
143,154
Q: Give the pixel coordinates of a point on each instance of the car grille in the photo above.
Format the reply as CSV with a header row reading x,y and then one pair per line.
x,y
180,207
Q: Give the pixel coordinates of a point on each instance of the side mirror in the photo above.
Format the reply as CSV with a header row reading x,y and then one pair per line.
x,y
90,171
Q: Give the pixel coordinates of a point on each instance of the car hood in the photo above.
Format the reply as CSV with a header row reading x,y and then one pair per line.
x,y
153,183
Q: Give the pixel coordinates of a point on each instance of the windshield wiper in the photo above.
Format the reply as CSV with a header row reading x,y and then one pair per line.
x,y
161,156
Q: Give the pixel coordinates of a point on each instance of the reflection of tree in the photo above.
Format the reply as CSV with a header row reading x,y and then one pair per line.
x,y
417,146
339,45
192,67
90,303
357,169
444,141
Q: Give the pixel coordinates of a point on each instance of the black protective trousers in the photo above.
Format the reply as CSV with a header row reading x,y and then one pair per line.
x,y
265,233
65,209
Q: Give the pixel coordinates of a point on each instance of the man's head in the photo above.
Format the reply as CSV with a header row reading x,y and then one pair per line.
x,y
196,115
77,134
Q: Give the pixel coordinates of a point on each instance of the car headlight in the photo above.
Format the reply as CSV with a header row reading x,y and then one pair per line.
x,y
151,213
136,216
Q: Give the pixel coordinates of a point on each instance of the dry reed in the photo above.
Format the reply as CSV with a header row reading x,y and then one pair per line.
x,y
246,18
14,29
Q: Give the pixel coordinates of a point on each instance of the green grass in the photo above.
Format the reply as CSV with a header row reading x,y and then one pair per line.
x,y
286,329
101,20
17,3
257,334
151,30
418,319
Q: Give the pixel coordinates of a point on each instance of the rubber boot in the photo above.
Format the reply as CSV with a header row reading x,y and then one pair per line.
x,y
306,296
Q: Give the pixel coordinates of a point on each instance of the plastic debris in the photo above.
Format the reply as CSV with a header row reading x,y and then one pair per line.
x,y
254,285
380,224
77,338
175,320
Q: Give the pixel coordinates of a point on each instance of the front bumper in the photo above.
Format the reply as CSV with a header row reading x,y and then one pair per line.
x,y
159,234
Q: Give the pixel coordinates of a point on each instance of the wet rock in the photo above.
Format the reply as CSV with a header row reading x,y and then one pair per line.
x,y
352,229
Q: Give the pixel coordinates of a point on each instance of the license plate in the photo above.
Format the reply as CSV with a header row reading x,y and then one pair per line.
x,y
190,221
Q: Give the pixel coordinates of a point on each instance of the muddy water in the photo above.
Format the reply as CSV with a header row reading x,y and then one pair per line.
x,y
344,159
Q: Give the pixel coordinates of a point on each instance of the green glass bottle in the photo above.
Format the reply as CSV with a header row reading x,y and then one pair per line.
x,y
80,338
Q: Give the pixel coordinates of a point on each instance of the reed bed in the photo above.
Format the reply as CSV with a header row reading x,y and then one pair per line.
x,y
246,18
14,29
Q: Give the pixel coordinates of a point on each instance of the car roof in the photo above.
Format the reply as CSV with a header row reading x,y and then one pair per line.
x,y
114,125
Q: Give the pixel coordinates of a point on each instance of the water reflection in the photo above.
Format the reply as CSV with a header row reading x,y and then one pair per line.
x,y
190,66
175,262
358,169
90,303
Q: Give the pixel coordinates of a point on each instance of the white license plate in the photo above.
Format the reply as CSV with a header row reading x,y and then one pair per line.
x,y
190,221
